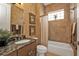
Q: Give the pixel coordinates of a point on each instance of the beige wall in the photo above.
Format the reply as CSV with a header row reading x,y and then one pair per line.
x,y
28,8
60,30
38,24
24,10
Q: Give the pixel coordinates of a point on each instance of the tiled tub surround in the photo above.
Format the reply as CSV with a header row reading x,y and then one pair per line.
x,y
4,51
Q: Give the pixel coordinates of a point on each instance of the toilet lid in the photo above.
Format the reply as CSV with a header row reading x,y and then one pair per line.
x,y
41,47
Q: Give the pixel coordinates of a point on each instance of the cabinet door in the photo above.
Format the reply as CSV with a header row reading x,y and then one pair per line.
x,y
32,49
28,50
23,51
14,53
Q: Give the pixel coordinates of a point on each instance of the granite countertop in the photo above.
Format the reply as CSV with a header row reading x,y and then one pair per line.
x,y
12,47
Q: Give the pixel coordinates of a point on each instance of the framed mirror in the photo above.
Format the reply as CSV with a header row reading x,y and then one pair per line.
x,y
31,30
31,18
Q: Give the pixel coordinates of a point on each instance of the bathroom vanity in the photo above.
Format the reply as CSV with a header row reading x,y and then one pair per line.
x,y
26,49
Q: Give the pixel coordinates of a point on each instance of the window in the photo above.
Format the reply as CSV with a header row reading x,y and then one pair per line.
x,y
56,15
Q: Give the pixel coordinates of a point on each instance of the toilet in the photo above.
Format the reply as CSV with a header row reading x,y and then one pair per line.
x,y
41,50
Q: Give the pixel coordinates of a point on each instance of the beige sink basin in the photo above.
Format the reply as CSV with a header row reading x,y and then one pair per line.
x,y
22,41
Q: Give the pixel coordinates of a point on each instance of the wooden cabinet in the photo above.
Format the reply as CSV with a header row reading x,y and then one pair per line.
x,y
28,50
14,53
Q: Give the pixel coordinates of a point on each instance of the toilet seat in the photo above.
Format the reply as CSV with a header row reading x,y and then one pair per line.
x,y
41,50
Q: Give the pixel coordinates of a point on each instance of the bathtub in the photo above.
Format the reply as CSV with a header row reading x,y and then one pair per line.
x,y
62,49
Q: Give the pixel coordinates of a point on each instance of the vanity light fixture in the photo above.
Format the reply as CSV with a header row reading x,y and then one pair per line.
x,y
21,3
